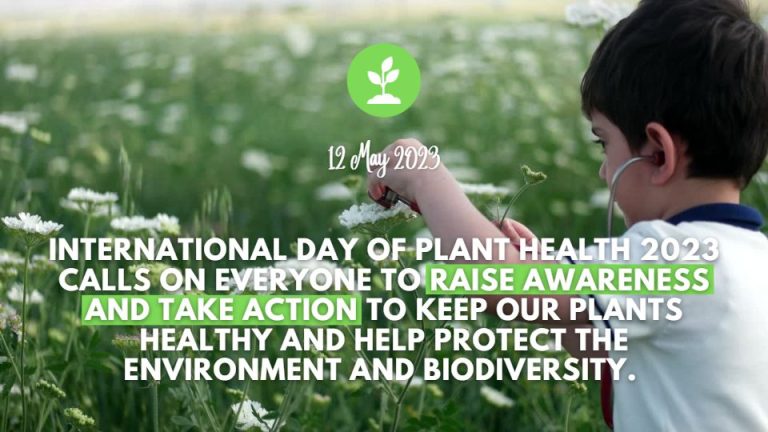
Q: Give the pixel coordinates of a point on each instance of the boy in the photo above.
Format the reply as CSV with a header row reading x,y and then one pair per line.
x,y
685,84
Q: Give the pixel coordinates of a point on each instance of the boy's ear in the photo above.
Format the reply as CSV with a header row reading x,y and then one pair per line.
x,y
660,140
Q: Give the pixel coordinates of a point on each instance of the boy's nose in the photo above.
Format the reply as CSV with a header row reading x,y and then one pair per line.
x,y
601,172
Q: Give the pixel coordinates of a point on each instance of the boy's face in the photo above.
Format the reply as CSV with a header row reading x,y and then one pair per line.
x,y
633,186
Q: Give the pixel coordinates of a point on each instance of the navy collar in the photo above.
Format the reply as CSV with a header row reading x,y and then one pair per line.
x,y
732,214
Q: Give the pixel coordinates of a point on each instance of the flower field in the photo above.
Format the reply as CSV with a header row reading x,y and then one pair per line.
x,y
227,134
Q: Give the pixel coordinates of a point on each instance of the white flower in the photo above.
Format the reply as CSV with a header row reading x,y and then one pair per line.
x,y
581,14
352,38
9,318
16,293
21,72
459,325
89,196
10,259
600,198
184,66
171,118
595,12
333,192
252,416
416,382
31,224
133,90
300,41
138,60
132,113
14,123
167,224
612,13
15,389
495,397
310,265
161,223
132,224
368,213
454,157
762,177
465,173
483,189
58,166
220,135
258,161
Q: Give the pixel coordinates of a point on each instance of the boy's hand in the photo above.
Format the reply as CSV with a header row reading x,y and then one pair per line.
x,y
516,231
407,183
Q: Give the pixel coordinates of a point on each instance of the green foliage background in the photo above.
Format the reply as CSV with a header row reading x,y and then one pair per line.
x,y
186,107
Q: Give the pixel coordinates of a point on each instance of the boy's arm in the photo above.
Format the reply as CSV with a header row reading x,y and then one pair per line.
x,y
451,216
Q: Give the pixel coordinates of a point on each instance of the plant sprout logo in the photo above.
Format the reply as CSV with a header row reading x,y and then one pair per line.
x,y
387,76
383,80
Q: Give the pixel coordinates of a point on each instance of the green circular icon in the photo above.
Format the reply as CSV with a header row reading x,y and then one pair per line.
x,y
383,80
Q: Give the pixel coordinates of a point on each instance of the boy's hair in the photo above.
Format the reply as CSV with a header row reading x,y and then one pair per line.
x,y
698,67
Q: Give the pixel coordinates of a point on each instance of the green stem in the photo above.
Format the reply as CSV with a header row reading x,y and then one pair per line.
x,y
568,412
512,201
23,339
80,269
209,414
5,413
422,397
287,406
245,394
384,383
155,408
46,412
382,410
401,399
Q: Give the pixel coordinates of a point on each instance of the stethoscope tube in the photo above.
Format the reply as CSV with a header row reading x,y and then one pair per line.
x,y
614,186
